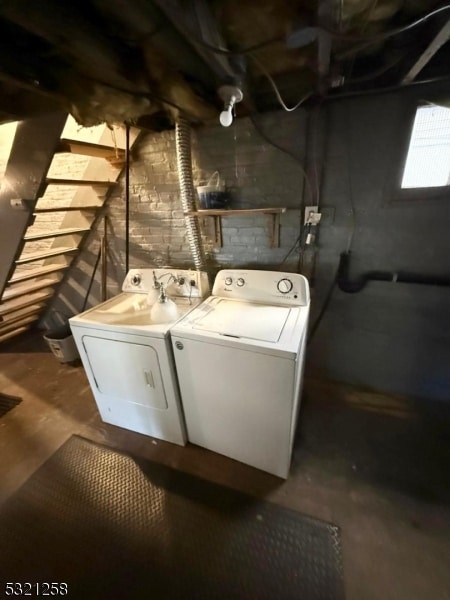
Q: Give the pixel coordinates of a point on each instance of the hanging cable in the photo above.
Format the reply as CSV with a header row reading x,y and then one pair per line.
x,y
385,34
381,37
91,280
335,34
324,308
275,88
377,73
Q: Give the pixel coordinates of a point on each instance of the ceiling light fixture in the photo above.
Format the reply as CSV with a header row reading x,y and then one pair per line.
x,y
230,95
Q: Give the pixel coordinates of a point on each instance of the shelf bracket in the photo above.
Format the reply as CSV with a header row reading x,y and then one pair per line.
x,y
274,219
218,240
216,214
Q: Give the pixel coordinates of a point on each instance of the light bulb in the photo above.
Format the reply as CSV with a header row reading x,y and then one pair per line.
x,y
226,117
230,95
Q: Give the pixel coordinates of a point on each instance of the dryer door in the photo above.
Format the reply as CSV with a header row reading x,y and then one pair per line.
x,y
126,371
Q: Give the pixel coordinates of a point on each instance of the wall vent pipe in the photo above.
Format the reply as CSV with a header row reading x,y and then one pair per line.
x,y
184,165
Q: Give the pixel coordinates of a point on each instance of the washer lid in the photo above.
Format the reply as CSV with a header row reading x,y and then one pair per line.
x,y
243,320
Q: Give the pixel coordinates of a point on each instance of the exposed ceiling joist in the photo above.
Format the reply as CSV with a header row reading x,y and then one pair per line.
x,y
441,38
116,60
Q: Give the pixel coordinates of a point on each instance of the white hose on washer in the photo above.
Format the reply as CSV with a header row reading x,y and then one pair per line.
x,y
184,165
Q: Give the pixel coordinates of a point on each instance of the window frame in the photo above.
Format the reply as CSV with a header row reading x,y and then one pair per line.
x,y
417,195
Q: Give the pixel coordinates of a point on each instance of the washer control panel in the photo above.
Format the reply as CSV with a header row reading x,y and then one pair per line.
x,y
271,287
178,282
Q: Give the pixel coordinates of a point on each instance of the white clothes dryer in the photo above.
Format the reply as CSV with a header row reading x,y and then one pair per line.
x,y
239,358
128,359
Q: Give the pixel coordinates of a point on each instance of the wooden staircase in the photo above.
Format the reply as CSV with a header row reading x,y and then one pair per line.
x,y
85,167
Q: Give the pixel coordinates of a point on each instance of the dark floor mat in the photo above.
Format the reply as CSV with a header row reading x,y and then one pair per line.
x,y
115,527
7,403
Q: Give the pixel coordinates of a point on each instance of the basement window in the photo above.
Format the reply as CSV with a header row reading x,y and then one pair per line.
x,y
428,159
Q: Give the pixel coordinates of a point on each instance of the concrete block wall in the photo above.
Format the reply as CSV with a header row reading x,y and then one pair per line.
x,y
390,336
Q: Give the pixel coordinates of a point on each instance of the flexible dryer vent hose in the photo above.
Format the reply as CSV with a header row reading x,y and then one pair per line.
x,y
184,165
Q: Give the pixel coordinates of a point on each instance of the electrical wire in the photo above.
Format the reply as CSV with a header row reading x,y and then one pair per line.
x,y
376,73
127,197
275,88
267,139
333,284
333,97
366,43
385,34
336,34
91,281
324,308
293,247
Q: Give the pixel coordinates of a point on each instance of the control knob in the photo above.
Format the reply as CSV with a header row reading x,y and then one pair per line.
x,y
240,282
136,279
228,280
285,286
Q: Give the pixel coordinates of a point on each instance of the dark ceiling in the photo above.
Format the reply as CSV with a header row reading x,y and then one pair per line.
x,y
147,61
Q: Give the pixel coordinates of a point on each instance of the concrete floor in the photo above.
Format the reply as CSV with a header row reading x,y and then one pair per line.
x,y
375,465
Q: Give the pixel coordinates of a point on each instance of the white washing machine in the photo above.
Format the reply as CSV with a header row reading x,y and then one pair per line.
x,y
239,358
128,359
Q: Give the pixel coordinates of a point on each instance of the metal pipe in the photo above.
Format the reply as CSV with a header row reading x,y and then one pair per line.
x,y
358,284
104,257
184,165
127,197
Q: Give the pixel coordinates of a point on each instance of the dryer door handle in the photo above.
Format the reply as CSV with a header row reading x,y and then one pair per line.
x,y
149,378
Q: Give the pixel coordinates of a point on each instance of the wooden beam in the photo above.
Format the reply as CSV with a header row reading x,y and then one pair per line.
x,y
438,41
71,32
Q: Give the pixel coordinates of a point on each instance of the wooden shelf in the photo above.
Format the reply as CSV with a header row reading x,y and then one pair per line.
x,y
217,214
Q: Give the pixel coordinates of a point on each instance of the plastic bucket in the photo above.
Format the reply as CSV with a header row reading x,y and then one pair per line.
x,y
62,344
213,194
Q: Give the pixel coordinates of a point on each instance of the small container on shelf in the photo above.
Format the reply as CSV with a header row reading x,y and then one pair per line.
x,y
212,193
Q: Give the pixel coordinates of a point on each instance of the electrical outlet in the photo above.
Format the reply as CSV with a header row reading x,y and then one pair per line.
x,y
312,215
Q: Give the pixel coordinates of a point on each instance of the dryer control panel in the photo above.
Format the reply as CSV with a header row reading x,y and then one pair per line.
x,y
177,282
267,287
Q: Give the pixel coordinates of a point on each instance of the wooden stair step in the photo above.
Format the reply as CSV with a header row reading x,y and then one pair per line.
x,y
54,233
33,273
18,323
66,208
89,149
12,306
21,313
32,256
11,334
90,182
22,289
